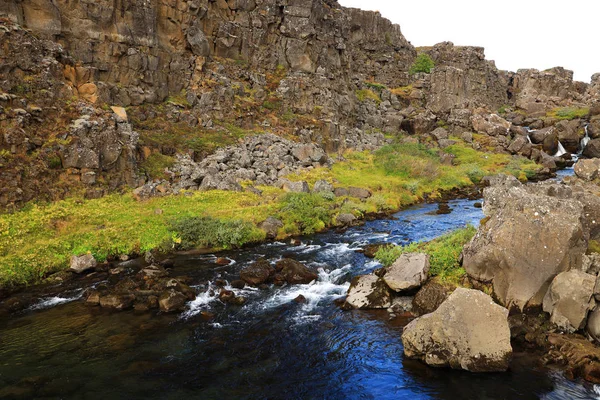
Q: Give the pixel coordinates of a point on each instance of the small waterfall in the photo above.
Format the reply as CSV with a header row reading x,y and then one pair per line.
x,y
584,141
528,132
561,150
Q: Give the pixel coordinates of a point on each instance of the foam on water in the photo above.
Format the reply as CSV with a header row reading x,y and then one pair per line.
x,y
200,304
50,302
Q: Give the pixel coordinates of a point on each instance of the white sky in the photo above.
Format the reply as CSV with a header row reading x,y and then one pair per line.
x,y
515,33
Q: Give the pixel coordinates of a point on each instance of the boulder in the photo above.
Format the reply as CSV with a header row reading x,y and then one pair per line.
x,y
271,226
569,299
529,237
117,301
593,324
592,150
322,186
294,272
295,187
80,264
588,170
172,300
345,219
439,134
468,331
408,272
367,292
568,134
430,297
257,273
359,192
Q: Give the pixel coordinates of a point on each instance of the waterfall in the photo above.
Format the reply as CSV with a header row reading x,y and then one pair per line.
x,y
561,150
528,132
585,140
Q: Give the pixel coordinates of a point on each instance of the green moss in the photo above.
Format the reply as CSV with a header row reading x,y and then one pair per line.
x,y
364,94
375,86
154,166
568,113
180,100
444,253
593,247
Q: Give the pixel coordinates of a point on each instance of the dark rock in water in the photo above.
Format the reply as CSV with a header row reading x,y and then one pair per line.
x,y
172,300
239,300
238,284
430,297
295,272
257,273
207,315
226,296
300,299
222,261
371,249
581,356
93,298
443,208
477,204
220,282
117,301
296,242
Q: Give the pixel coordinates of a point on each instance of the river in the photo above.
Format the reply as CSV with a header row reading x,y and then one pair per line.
x,y
271,348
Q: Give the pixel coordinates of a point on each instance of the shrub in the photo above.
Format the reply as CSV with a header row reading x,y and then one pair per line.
x,y
305,212
423,63
207,231
444,253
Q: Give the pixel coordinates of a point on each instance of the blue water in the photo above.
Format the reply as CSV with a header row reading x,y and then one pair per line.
x,y
271,348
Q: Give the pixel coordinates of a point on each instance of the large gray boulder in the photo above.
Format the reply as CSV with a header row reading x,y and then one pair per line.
x,y
532,233
408,272
368,292
588,170
569,299
80,264
468,331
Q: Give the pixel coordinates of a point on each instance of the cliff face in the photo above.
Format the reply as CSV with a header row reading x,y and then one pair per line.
x,y
142,51
200,74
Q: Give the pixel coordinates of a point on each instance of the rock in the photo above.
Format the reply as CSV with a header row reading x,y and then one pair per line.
x,y
439,134
271,226
345,219
529,238
367,292
568,135
257,273
93,298
80,264
490,124
295,187
359,193
371,249
120,113
294,272
172,300
222,261
431,295
238,284
117,301
588,170
468,331
569,299
580,355
592,150
226,296
340,192
322,186
408,272
593,324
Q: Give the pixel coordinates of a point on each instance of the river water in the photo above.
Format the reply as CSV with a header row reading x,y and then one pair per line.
x,y
271,348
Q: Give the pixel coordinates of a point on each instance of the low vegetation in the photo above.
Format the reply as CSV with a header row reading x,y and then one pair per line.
x,y
40,239
423,63
444,253
568,113
367,94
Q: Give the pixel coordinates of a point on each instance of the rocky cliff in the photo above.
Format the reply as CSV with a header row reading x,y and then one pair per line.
x,y
197,75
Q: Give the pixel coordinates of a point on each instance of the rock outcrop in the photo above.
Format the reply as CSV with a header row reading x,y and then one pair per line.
x,y
468,331
532,233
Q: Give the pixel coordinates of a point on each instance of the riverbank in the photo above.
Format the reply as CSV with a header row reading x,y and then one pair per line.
x,y
40,239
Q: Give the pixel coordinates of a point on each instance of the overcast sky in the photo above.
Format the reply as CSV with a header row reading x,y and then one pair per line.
x,y
515,33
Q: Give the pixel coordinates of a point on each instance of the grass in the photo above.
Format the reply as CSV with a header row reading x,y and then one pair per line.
x,y
40,239
403,91
568,113
367,94
443,253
